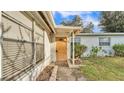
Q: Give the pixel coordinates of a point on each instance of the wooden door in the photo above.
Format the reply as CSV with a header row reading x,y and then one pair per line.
x,y
61,49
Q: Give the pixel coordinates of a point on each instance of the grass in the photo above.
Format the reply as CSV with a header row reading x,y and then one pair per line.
x,y
108,68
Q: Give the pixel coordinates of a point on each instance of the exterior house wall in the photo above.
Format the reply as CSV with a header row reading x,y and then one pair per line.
x,y
14,34
13,45
14,31
117,40
47,49
53,48
39,68
20,17
90,41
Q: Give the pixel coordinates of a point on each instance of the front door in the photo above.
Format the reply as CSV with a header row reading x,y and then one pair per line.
x,y
61,49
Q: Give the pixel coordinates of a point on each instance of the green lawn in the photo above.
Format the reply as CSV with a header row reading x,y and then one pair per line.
x,y
108,68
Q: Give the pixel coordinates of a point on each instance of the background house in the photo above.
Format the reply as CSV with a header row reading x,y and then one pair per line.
x,y
103,40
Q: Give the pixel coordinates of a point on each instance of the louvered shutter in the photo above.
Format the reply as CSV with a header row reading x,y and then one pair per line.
x,y
17,52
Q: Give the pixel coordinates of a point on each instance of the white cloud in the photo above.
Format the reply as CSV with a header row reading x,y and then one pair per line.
x,y
88,19
68,13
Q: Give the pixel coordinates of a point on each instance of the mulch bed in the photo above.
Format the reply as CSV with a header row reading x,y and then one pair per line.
x,y
45,74
78,62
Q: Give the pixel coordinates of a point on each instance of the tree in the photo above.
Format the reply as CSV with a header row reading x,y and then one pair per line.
x,y
76,21
112,21
66,22
88,28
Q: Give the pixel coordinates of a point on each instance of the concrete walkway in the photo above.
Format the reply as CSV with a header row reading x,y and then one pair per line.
x,y
67,74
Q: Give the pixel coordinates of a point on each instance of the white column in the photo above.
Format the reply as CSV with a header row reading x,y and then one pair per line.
x,y
0,46
68,48
73,50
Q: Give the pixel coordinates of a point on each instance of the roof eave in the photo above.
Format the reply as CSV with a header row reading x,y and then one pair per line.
x,y
101,34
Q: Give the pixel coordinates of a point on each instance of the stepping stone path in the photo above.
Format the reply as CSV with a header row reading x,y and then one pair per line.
x,y
60,72
69,74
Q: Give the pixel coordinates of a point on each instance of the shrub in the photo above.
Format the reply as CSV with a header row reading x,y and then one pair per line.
x,y
119,49
94,51
79,49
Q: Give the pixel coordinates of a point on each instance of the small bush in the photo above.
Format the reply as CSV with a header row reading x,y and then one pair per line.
x,y
94,51
79,49
119,49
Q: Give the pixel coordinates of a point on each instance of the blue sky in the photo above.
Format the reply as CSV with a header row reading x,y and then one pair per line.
x,y
86,16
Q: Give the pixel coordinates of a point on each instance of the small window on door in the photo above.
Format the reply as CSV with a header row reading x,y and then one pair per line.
x,y
104,41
